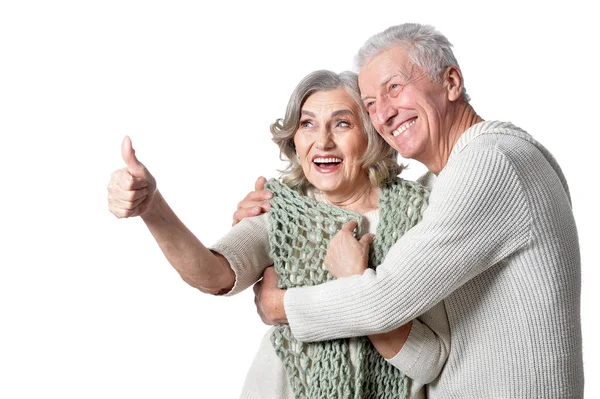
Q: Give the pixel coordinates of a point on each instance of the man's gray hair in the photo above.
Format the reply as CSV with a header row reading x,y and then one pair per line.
x,y
427,48
379,160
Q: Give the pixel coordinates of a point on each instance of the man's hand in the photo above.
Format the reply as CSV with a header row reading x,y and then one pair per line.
x,y
346,255
269,299
255,202
131,190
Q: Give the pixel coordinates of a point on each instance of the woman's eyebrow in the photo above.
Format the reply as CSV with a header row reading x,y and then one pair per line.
x,y
342,112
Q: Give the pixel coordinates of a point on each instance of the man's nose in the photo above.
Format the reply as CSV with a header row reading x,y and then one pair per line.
x,y
385,111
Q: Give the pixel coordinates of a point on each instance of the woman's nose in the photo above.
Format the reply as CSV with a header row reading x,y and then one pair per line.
x,y
324,139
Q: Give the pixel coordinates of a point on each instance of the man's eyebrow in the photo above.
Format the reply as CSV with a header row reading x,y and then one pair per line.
x,y
386,81
382,84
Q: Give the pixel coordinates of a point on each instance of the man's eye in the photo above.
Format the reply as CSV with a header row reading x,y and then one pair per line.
x,y
370,106
394,86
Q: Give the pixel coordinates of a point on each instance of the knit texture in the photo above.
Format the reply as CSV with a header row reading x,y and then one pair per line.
x,y
300,229
498,243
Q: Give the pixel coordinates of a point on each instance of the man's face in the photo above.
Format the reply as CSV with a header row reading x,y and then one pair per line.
x,y
406,107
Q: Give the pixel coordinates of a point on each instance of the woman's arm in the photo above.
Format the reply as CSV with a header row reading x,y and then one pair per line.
x,y
426,347
132,191
208,271
390,343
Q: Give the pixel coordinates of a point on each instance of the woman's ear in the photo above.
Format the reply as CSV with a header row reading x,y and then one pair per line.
x,y
453,82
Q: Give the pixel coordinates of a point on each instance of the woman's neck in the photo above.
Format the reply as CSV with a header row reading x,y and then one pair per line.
x,y
361,199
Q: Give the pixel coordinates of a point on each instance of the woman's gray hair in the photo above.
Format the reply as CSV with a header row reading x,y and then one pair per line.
x,y
427,48
380,160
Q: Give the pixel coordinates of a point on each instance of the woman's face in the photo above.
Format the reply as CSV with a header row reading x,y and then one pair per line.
x,y
330,142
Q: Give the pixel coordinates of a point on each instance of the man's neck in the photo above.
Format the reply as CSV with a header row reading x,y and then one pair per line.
x,y
464,117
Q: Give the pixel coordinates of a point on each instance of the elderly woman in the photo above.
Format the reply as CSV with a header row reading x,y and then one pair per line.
x,y
339,170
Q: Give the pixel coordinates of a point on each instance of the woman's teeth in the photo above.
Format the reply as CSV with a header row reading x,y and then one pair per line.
x,y
327,160
403,127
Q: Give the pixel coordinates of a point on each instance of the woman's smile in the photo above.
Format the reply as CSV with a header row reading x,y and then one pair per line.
x,y
327,163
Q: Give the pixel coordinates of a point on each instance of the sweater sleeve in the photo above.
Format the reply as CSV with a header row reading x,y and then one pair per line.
x,y
478,214
246,247
425,351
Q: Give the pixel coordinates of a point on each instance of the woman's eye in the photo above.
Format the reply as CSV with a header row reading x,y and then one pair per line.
x,y
394,86
305,123
343,124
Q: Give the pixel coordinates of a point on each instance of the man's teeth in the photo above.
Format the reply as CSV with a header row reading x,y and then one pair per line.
x,y
327,160
402,128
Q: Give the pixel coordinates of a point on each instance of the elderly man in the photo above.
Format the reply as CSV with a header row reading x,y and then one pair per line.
x,y
498,243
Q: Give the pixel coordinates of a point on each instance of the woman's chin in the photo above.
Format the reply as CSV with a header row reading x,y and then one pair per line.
x,y
325,185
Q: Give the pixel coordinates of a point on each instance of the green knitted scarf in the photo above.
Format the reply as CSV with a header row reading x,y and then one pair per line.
x,y
300,229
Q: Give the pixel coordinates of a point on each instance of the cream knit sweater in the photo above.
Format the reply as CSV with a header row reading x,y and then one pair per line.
x,y
498,244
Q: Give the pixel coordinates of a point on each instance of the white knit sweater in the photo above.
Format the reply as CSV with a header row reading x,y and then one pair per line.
x,y
498,244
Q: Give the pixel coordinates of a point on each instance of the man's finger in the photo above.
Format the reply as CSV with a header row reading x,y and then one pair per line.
x,y
246,213
265,206
260,183
262,195
134,166
253,204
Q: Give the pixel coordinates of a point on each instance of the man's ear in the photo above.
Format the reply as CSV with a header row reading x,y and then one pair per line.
x,y
453,82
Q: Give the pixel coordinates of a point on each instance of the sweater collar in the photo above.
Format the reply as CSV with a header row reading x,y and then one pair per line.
x,y
487,127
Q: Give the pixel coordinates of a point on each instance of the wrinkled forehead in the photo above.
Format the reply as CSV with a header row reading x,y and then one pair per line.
x,y
394,62
336,101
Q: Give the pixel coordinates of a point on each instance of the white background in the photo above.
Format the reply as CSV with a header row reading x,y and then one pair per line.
x,y
89,308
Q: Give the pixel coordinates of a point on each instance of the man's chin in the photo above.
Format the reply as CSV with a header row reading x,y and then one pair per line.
x,y
396,146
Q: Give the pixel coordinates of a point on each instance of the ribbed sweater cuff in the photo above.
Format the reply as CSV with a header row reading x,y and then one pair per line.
x,y
246,250
294,313
304,307
417,358
242,280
